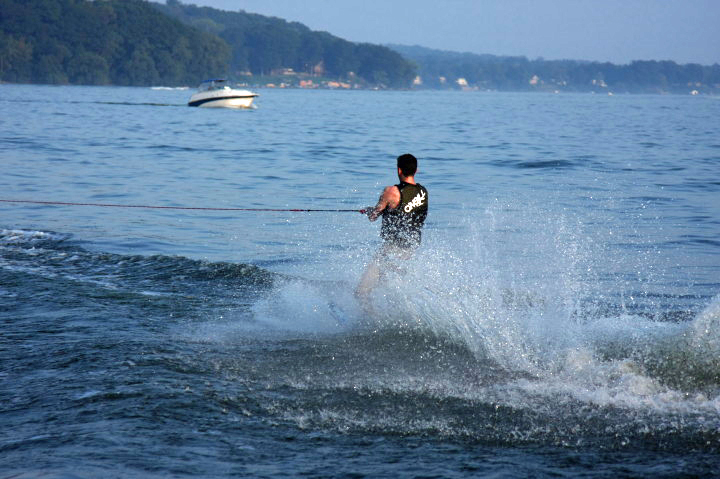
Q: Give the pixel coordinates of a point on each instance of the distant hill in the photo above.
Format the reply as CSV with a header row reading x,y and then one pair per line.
x,y
265,45
443,69
135,42
119,42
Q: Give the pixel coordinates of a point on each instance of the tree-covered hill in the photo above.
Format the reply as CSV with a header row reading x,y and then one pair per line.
x,y
442,69
262,45
120,42
136,42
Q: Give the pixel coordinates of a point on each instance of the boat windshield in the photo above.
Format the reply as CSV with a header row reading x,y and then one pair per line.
x,y
217,84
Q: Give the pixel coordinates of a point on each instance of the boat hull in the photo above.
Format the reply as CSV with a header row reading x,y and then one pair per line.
x,y
222,99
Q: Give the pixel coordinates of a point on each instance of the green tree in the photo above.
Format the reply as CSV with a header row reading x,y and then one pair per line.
x,y
88,68
15,58
125,42
50,70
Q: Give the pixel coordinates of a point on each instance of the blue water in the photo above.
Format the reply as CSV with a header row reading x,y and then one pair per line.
x,y
561,318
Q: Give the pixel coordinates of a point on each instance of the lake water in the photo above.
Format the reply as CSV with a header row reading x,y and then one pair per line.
x,y
562,317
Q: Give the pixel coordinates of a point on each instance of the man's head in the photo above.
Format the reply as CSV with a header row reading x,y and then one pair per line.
x,y
407,164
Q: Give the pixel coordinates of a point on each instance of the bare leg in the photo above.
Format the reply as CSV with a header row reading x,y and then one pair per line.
x,y
368,282
387,258
369,278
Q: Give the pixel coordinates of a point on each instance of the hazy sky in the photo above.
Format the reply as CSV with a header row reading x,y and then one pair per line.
x,y
619,31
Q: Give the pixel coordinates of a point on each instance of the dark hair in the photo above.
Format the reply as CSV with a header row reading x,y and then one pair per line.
x,y
407,164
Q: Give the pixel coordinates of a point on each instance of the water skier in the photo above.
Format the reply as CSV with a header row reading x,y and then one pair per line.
x,y
403,208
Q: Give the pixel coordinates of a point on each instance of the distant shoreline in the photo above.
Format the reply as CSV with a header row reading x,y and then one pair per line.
x,y
366,89
139,43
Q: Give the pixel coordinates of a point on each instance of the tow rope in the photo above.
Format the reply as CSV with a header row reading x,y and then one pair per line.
x,y
109,205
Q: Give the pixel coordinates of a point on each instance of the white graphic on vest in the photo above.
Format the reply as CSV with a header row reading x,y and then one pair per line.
x,y
417,201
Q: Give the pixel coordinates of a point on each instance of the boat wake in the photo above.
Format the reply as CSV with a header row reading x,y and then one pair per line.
x,y
440,331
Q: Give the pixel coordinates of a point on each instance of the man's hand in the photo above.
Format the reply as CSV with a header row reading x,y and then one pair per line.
x,y
369,211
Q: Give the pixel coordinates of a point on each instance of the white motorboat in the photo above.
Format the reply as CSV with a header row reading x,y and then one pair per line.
x,y
215,93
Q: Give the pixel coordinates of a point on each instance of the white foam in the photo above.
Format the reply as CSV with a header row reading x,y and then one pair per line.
x,y
705,332
24,236
524,307
303,307
521,305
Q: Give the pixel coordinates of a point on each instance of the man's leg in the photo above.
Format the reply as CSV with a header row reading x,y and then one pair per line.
x,y
368,280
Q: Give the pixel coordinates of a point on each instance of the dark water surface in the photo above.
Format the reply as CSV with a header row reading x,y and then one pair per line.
x,y
561,319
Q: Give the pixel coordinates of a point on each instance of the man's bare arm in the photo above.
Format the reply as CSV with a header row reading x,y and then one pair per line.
x,y
390,197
